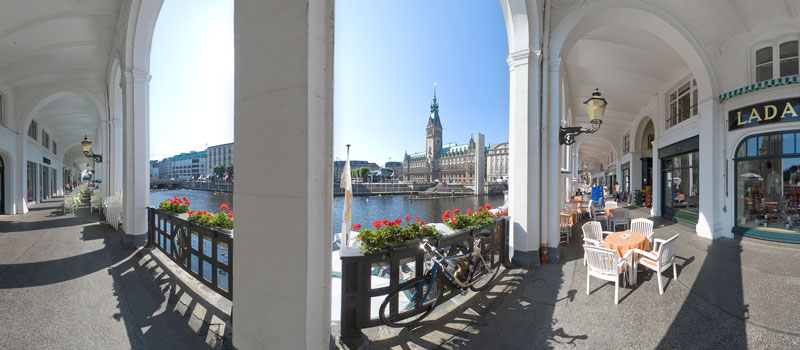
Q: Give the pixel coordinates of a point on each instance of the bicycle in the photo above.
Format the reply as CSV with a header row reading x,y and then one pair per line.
x,y
415,299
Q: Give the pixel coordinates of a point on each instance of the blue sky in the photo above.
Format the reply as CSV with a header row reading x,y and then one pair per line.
x,y
387,56
191,92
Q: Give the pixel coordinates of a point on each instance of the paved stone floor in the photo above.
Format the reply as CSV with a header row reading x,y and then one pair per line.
x,y
67,283
730,294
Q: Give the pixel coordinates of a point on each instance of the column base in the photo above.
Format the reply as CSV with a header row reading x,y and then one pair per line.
x,y
525,259
555,256
133,241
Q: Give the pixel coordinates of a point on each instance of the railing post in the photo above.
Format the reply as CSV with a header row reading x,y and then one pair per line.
x,y
354,295
151,233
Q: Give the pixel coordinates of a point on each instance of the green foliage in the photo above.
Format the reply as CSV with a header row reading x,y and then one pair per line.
x,y
393,233
360,173
175,205
221,219
219,171
229,170
476,219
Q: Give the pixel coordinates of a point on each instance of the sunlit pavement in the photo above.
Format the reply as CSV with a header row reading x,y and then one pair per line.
x,y
67,283
730,294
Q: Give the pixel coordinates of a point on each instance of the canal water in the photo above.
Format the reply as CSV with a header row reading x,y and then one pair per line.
x,y
366,209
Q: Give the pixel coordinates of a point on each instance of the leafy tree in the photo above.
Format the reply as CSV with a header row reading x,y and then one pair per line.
x,y
361,173
219,171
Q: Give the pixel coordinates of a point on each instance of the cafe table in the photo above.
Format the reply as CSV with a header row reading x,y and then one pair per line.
x,y
624,241
572,215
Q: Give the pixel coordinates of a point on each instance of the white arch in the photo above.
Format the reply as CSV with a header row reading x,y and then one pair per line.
x,y
581,20
641,123
581,140
53,94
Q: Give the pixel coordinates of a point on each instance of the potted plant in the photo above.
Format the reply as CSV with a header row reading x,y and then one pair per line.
x,y
223,220
392,233
472,219
176,206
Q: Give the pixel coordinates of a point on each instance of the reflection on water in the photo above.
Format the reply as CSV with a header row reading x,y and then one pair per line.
x,y
201,200
367,209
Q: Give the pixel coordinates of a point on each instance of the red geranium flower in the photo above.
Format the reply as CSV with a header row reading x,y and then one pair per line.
x,y
456,211
185,199
444,217
469,211
408,217
447,212
422,223
209,215
376,223
416,218
357,227
230,214
223,207
385,222
487,207
190,212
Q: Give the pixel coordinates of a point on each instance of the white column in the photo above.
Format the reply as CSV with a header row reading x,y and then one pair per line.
x,y
635,172
22,174
136,146
551,153
657,180
524,155
116,156
106,131
712,170
284,116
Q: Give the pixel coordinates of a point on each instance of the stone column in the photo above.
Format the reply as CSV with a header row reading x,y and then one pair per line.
x,y
136,146
21,164
524,155
550,173
635,172
480,164
657,180
284,174
712,169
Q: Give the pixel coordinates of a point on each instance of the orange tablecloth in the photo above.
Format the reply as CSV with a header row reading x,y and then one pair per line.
x,y
608,211
623,245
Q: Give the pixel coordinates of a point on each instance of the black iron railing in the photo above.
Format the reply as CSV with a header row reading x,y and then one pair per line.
x,y
358,269
205,253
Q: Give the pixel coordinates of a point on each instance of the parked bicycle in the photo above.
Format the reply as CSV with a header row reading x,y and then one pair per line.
x,y
415,299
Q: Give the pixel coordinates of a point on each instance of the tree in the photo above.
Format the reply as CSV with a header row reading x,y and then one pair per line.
x,y
361,173
219,171
229,170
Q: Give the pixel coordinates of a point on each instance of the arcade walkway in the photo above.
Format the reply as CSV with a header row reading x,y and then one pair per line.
x,y
730,294
67,283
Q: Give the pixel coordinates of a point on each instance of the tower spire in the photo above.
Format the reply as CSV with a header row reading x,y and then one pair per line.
x,y
435,109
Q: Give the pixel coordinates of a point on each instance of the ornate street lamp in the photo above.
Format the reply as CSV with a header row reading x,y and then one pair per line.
x,y
596,106
87,150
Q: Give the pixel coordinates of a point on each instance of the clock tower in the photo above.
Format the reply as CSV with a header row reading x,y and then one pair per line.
x,y
434,131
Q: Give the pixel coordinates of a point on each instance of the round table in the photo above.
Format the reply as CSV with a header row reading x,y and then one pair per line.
x,y
615,241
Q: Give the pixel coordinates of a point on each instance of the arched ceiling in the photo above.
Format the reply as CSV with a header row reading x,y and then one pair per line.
x,y
628,65
68,118
595,151
74,156
53,42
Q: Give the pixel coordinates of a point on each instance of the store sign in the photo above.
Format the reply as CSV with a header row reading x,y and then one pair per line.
x,y
45,160
786,110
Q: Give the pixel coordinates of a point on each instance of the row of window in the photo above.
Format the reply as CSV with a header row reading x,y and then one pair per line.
x,y
777,61
33,132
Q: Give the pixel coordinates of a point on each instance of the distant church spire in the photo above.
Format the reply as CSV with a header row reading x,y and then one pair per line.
x,y
434,109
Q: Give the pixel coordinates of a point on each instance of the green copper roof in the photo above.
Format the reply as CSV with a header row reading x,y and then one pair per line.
x,y
434,119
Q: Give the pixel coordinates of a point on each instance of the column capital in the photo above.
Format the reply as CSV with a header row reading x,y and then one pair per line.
x,y
136,76
522,57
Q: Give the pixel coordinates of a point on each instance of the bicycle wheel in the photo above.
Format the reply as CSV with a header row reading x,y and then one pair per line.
x,y
415,300
484,271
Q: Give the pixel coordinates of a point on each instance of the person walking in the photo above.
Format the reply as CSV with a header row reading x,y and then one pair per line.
x,y
616,191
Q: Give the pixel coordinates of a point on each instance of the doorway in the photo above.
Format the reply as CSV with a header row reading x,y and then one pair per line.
x,y
2,187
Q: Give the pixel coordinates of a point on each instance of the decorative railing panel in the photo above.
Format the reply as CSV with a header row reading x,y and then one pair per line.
x,y
358,268
205,253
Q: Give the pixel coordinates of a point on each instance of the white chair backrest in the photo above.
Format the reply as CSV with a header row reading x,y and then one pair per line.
x,y
611,204
591,208
601,259
643,226
566,221
621,214
666,251
593,230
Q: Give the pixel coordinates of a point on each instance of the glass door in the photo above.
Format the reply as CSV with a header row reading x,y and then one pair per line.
x,y
668,193
45,186
2,187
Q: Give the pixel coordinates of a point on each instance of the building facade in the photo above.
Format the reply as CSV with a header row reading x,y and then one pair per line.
x,y
397,169
497,162
221,155
447,163
188,166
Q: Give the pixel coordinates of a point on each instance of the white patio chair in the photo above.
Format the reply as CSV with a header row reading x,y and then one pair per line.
x,y
565,226
606,265
620,217
660,259
597,214
611,204
593,234
643,226
69,204
95,202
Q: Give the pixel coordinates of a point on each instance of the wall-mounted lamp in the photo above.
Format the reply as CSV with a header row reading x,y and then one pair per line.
x,y
596,106
87,150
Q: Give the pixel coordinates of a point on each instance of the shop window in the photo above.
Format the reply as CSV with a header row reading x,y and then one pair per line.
x,y
31,182
779,59
45,140
682,103
33,130
768,182
55,148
